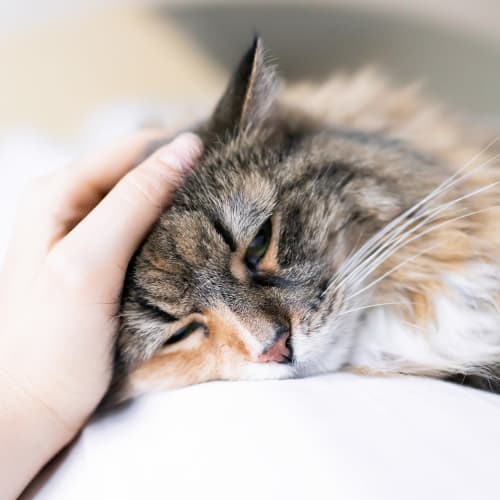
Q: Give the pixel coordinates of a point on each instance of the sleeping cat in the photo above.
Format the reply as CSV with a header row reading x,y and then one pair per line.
x,y
341,226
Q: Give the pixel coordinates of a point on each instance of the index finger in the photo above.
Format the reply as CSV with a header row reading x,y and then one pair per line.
x,y
105,240
103,169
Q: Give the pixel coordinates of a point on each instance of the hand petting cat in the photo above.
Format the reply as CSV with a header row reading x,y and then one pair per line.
x,y
60,292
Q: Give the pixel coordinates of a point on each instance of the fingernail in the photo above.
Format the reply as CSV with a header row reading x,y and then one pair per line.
x,y
182,152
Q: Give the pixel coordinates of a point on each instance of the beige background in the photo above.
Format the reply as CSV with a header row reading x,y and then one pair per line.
x,y
63,60
57,72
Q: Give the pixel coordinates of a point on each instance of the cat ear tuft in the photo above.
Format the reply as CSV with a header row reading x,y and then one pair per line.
x,y
249,96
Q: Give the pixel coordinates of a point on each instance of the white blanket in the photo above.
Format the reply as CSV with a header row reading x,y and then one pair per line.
x,y
332,437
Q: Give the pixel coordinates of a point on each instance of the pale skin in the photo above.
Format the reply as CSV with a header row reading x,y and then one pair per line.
x,y
60,289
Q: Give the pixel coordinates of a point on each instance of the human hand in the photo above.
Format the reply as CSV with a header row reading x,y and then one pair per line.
x,y
60,289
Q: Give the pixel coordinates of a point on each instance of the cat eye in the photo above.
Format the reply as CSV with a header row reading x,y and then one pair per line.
x,y
259,246
184,332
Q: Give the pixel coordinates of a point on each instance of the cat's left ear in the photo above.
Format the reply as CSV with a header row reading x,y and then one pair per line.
x,y
249,96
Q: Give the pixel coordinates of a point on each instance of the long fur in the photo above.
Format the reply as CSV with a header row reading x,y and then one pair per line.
x,y
385,255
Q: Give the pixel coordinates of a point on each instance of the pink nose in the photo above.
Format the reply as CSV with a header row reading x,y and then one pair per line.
x,y
278,352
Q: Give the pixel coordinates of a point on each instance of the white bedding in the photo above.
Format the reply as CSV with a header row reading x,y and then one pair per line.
x,y
331,437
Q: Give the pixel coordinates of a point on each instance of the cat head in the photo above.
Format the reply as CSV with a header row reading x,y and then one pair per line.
x,y
235,279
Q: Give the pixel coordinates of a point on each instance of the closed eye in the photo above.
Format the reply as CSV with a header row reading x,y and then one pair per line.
x,y
156,311
269,280
183,333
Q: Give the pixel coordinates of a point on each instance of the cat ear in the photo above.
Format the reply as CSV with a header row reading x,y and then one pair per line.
x,y
249,96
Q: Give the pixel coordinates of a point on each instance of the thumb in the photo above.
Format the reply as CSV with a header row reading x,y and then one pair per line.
x,y
114,229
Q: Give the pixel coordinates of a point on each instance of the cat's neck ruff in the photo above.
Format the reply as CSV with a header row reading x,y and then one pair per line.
x,y
463,336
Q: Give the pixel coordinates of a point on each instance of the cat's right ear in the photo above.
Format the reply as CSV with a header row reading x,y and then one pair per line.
x,y
249,96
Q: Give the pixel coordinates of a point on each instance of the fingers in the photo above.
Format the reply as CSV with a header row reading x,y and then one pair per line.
x,y
52,205
91,177
107,238
102,170
77,189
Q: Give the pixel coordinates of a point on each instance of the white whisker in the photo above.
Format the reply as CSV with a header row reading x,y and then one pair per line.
x,y
390,236
361,308
431,229
394,269
413,325
437,191
388,247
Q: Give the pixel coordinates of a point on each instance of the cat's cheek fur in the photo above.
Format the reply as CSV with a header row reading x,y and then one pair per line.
x,y
226,351
325,350
180,369
463,336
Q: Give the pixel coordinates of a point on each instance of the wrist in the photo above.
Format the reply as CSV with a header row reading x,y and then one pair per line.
x,y
30,435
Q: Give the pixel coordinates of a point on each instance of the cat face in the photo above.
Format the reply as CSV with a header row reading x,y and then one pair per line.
x,y
234,281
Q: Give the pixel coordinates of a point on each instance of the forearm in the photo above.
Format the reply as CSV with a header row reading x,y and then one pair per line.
x,y
30,435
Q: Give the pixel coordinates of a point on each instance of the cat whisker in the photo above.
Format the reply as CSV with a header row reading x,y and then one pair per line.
x,y
393,227
402,240
413,325
406,261
442,207
353,251
392,270
456,175
395,238
361,308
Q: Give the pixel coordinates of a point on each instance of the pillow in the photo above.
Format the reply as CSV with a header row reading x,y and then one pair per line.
x,y
335,436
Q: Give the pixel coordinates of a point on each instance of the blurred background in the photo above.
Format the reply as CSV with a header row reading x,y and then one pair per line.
x,y
66,64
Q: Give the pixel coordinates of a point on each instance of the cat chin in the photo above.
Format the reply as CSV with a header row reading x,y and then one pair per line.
x,y
326,350
260,371
324,354
328,361
317,363
137,386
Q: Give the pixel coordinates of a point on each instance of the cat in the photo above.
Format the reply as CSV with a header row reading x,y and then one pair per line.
x,y
348,225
